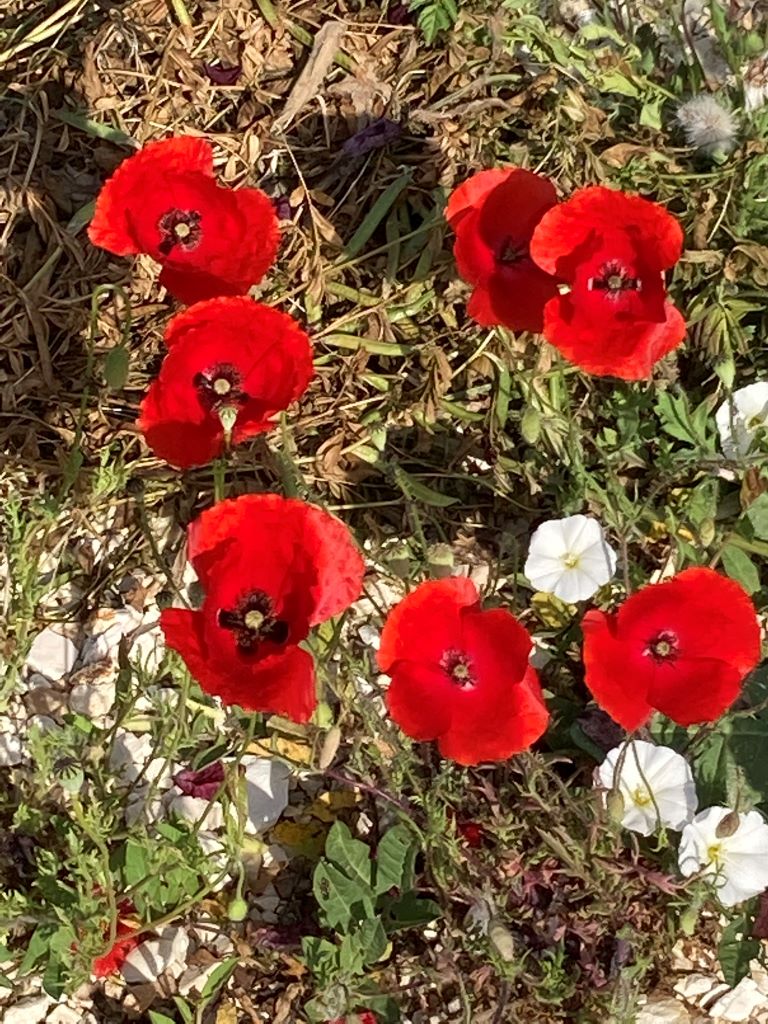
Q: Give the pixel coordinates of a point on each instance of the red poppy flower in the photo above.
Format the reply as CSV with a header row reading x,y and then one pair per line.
x,y
126,940
493,214
271,568
682,647
164,201
612,249
461,675
224,353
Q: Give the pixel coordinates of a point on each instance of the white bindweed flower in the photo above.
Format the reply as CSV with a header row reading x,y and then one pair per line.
x,y
737,857
739,425
708,125
570,558
655,783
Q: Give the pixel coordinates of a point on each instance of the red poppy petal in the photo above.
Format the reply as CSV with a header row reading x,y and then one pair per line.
x,y
695,690
111,961
419,699
495,728
471,193
475,259
611,347
516,298
190,286
497,644
175,432
255,525
711,616
599,210
426,623
262,234
110,226
511,211
281,684
623,695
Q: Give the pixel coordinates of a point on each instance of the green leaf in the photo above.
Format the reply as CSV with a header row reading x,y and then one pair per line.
x,y
411,911
678,421
375,216
740,567
395,859
373,940
159,1018
350,855
184,1010
757,514
416,491
351,955
737,948
116,365
135,864
218,977
337,896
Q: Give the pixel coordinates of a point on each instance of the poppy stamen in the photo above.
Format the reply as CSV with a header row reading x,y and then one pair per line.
x,y
511,252
219,385
663,647
614,279
253,621
179,227
459,669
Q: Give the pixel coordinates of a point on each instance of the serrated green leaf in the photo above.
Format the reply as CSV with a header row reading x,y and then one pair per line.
x,y
737,948
350,856
395,859
373,940
740,567
337,896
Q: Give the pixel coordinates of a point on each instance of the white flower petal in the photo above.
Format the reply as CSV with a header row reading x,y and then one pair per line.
x,y
739,861
656,784
569,558
739,419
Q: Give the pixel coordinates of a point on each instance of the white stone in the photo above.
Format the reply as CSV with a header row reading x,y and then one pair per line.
x,y
740,1003
266,782
151,958
148,650
129,754
663,1010
28,1011
106,629
194,809
64,1014
94,701
12,750
51,654
195,977
693,986
369,635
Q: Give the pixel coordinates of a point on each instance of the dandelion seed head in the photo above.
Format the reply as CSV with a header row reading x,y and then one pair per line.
x,y
709,126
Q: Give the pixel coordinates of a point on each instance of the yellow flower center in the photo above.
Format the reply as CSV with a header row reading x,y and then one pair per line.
x,y
641,797
715,854
571,561
182,230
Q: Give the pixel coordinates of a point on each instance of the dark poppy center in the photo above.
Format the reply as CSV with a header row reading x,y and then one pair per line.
x,y
253,621
614,279
664,647
511,252
219,385
458,667
179,228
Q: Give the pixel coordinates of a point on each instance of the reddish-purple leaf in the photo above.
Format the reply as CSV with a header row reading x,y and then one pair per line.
x,y
204,783
221,74
378,133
